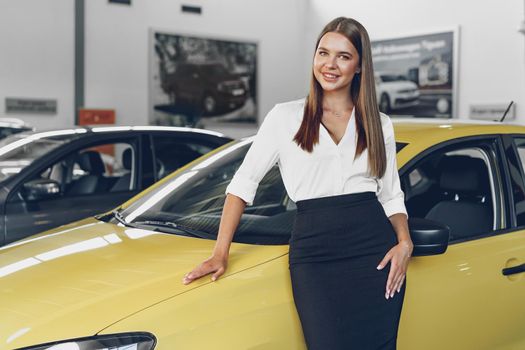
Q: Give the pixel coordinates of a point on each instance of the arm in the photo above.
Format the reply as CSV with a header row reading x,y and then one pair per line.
x,y
392,198
262,155
231,215
217,263
398,256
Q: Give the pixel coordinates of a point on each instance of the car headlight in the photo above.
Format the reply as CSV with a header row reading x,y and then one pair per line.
x,y
127,341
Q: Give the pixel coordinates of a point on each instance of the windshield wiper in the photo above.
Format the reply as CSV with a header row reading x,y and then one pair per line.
x,y
175,228
169,226
118,215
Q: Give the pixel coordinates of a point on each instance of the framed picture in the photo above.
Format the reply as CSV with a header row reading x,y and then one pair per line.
x,y
416,75
198,81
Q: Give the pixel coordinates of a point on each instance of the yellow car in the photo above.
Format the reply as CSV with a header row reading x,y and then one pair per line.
x,y
114,282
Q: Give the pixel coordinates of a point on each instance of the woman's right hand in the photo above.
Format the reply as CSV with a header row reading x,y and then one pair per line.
x,y
215,264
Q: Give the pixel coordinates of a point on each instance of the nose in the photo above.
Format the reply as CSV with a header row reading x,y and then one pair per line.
x,y
330,62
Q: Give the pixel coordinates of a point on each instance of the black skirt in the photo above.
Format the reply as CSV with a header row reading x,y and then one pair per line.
x,y
336,244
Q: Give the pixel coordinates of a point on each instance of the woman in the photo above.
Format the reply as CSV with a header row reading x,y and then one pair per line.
x,y
337,157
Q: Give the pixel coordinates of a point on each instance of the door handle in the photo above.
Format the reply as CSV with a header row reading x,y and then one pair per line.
x,y
513,270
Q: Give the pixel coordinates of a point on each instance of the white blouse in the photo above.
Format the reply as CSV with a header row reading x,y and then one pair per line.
x,y
329,170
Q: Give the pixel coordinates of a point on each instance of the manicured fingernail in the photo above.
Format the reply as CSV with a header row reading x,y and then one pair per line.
x,y
378,267
399,290
392,295
213,279
386,296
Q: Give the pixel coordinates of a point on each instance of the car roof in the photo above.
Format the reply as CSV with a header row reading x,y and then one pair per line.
x,y
434,131
426,131
85,131
14,123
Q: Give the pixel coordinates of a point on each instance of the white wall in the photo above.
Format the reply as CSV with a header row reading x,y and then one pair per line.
x,y
37,43
117,48
37,57
491,52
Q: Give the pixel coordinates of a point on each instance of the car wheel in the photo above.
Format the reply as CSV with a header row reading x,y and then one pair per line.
x,y
209,104
384,103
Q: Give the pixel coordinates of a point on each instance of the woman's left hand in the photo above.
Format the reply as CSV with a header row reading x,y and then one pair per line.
x,y
398,257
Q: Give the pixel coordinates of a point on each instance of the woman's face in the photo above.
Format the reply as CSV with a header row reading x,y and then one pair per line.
x,y
335,62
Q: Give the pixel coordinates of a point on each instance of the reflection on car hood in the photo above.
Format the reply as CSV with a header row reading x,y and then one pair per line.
x,y
77,279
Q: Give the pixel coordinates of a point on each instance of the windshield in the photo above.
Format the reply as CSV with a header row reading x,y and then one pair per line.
x,y
392,77
195,198
19,150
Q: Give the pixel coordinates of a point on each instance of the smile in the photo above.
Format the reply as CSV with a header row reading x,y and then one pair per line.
x,y
330,76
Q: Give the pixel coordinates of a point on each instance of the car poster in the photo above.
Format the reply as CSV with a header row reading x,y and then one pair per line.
x,y
203,82
415,75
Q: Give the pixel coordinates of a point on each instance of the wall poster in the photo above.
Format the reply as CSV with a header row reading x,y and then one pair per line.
x,y
416,75
198,81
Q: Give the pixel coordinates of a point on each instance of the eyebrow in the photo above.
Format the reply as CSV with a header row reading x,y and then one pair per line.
x,y
340,52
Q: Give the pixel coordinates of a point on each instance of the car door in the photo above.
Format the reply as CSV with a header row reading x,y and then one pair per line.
x,y
462,299
87,180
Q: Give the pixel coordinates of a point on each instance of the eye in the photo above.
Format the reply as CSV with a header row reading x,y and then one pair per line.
x,y
322,53
345,57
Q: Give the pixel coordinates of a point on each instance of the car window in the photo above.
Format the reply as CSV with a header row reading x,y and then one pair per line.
x,y
7,131
518,187
195,198
455,186
18,152
171,153
104,168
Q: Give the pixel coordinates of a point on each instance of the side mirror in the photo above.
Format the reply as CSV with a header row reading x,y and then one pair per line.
x,y
40,189
429,237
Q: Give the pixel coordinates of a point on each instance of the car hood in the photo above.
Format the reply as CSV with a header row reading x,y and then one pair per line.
x,y
75,280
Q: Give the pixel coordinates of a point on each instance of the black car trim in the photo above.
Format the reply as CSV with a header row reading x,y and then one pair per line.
x,y
511,149
507,187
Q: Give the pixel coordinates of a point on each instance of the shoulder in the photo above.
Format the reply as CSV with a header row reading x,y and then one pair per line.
x,y
290,106
286,111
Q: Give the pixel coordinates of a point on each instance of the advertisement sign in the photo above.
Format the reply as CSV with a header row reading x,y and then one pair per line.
x,y
415,75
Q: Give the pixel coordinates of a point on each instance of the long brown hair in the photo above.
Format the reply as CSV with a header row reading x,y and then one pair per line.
x,y
363,95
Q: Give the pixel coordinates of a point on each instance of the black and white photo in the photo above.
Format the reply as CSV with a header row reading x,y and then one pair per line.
x,y
197,81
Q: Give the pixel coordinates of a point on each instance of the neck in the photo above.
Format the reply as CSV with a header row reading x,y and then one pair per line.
x,y
337,101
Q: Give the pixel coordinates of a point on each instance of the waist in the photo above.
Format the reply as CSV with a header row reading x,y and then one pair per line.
x,y
343,200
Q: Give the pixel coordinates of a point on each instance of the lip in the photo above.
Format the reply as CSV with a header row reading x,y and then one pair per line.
x,y
329,76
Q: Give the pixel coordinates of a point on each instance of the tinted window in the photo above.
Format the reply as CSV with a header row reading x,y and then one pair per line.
x,y
518,188
455,186
172,153
91,170
17,153
195,198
